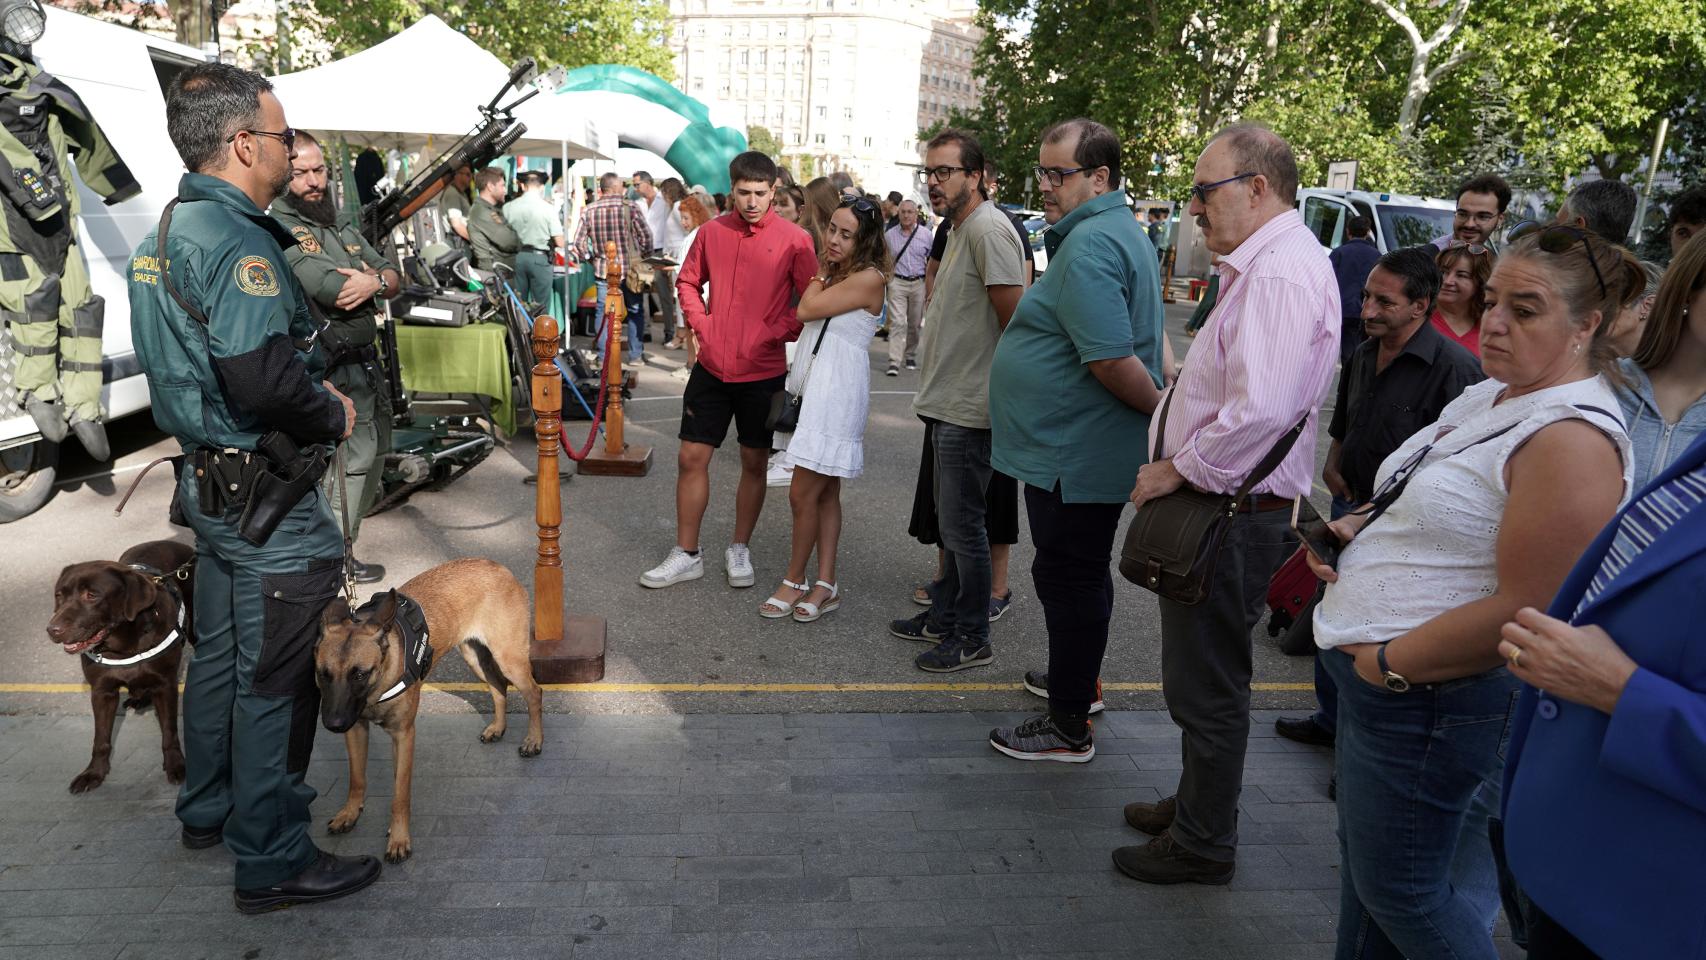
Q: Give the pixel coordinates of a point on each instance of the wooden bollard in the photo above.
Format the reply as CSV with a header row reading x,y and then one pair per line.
x,y
574,655
616,459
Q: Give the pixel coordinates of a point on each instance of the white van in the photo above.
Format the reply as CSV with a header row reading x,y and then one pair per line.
x,y
1400,220
120,74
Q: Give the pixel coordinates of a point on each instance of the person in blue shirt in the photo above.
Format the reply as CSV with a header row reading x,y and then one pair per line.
x,y
1663,393
1075,377
1352,261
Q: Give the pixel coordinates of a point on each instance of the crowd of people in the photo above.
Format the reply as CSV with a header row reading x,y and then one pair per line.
x,y
1513,432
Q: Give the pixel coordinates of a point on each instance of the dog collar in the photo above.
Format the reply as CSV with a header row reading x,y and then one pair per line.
x,y
417,648
172,636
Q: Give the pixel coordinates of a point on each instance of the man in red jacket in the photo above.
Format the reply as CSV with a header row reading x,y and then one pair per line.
x,y
756,265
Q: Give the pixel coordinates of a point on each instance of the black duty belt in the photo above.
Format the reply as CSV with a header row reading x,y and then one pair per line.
x,y
535,250
899,277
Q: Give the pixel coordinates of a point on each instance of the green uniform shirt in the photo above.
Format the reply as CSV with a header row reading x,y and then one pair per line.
x,y
533,220
493,239
1053,421
245,372
319,252
453,204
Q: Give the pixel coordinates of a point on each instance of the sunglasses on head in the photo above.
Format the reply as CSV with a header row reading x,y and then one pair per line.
x,y
861,207
1475,249
1559,237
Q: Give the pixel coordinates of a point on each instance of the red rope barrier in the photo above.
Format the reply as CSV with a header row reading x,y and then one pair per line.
x,y
597,419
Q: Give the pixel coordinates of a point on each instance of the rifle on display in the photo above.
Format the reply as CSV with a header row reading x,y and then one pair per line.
x,y
491,138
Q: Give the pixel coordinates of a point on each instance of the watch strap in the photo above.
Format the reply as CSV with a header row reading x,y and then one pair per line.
x,y
1380,658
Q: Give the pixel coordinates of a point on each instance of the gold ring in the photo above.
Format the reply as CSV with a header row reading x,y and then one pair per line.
x,y
1516,656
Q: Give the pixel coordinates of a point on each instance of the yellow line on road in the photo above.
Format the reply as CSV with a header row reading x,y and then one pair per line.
x,y
471,687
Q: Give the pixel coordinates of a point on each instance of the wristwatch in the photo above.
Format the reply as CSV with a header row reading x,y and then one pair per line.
x,y
384,284
1394,682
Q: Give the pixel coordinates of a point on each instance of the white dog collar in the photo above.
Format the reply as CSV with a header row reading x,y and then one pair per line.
x,y
149,654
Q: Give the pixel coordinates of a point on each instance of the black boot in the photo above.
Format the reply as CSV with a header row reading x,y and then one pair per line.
x,y
367,572
93,436
200,838
49,418
327,878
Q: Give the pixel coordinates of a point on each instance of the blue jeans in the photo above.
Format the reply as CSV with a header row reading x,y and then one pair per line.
x,y
1419,773
633,324
1326,692
962,475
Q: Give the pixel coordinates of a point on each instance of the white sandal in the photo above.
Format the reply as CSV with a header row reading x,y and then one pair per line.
x,y
807,612
777,608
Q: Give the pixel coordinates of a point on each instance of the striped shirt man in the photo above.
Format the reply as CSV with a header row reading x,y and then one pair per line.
x,y
1263,360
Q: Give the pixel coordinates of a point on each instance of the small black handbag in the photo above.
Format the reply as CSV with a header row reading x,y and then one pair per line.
x,y
1171,545
784,414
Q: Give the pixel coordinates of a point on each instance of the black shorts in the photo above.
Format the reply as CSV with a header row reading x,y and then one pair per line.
x,y
709,404
1001,500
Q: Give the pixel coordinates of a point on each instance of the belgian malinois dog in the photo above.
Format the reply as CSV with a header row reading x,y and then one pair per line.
x,y
472,604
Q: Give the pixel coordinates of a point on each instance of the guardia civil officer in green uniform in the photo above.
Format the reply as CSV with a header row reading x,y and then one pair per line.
x,y
342,272
492,238
223,333
535,225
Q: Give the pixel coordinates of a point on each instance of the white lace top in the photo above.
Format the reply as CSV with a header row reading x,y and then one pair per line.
x,y
1433,549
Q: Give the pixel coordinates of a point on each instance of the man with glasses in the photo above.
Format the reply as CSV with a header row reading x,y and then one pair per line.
x,y
977,289
1481,205
1268,354
224,334
1075,378
348,278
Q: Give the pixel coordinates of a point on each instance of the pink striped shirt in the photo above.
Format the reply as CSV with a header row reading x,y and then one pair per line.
x,y
1264,359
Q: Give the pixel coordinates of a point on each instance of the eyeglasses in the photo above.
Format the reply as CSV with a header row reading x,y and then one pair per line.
x,y
861,207
1202,190
1055,176
287,136
940,174
1559,237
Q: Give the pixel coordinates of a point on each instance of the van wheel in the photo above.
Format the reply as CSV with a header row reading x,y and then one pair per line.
x,y
26,478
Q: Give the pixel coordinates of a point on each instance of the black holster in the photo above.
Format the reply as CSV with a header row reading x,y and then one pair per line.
x,y
279,478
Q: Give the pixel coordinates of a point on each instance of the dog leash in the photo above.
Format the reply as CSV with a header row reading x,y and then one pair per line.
x,y
119,510
343,515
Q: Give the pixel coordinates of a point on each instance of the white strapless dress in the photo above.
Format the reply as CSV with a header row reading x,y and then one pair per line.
x,y
831,436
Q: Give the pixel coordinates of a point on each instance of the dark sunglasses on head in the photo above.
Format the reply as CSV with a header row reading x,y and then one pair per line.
x,y
861,207
287,136
1559,237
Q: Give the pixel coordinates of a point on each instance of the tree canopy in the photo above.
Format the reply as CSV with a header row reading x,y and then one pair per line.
x,y
1421,93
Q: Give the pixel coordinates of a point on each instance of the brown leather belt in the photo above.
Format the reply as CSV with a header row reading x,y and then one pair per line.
x,y
1262,503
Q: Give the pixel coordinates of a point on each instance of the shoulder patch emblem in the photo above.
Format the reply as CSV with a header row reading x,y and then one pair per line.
x,y
255,277
305,239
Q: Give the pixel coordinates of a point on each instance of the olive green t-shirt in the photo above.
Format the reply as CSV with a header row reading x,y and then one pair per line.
x,y
960,326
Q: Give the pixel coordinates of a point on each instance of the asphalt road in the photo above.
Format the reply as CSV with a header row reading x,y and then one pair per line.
x,y
668,645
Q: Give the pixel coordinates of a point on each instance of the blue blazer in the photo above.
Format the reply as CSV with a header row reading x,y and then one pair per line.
x,y
1605,817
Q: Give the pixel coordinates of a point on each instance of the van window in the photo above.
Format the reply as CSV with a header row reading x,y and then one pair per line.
x,y
1326,219
1413,226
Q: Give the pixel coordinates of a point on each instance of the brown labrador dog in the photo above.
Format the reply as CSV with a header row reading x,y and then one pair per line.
x,y
117,618
471,604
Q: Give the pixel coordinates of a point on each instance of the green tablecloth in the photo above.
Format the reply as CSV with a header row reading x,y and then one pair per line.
x,y
471,359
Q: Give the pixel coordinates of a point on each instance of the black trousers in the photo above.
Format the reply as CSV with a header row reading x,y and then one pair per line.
x,y
1074,543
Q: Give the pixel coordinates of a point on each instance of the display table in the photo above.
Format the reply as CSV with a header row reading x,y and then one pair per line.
x,y
471,359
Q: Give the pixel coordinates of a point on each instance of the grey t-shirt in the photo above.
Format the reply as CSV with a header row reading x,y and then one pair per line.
x,y
960,326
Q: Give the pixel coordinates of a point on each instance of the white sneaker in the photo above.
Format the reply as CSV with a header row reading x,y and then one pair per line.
x,y
679,566
779,476
737,559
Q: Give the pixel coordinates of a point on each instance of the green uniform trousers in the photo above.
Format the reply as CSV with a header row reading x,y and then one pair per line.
x,y
533,279
55,321
251,704
362,451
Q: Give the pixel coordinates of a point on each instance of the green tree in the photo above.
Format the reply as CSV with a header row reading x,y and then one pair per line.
x,y
762,140
570,33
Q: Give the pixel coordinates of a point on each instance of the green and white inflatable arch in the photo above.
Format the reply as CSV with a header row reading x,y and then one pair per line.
x,y
646,112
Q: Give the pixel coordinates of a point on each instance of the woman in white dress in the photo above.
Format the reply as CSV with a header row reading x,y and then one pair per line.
x,y
831,371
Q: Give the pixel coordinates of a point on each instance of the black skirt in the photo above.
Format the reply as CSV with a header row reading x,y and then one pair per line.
x,y
1001,498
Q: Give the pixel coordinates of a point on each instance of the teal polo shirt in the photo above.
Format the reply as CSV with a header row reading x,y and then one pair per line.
x,y
1100,299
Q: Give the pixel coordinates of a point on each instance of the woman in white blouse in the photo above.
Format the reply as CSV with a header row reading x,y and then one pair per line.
x,y
1476,516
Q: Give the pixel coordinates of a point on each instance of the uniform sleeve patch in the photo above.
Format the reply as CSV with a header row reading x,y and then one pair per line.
x,y
305,240
255,276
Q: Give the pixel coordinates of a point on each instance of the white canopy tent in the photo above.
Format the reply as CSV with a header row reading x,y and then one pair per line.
x,y
441,79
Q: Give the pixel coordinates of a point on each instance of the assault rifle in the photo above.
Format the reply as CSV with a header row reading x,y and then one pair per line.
x,y
491,138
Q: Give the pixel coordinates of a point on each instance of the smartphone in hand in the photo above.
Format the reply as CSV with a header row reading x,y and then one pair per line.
x,y
1313,531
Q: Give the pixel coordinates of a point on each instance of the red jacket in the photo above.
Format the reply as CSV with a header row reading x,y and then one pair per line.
x,y
756,272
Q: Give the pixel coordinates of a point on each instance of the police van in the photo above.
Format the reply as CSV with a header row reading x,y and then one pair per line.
x,y
120,74
1399,220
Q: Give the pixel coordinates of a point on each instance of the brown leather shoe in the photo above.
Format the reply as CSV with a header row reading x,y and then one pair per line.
x,y
1161,860
1152,818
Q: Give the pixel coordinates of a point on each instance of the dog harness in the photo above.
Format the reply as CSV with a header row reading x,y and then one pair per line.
x,y
417,650
172,635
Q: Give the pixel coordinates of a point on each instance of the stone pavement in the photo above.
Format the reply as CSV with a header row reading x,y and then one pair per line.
x,y
696,836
